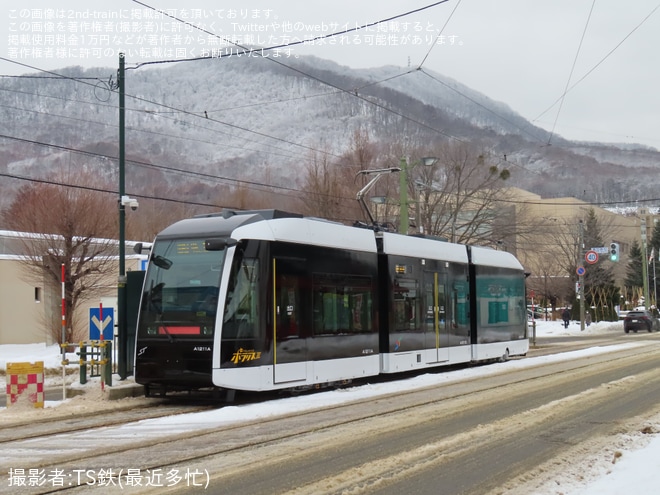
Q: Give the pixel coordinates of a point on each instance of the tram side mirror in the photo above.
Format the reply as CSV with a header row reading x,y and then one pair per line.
x,y
140,248
219,244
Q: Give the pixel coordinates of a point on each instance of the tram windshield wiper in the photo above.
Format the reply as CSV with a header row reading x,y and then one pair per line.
x,y
170,337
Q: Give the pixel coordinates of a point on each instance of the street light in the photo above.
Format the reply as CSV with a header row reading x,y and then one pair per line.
x,y
404,221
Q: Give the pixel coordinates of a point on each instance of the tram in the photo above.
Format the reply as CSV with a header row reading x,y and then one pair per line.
x,y
265,300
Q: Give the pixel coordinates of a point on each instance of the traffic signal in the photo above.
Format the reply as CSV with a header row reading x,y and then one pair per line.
x,y
614,251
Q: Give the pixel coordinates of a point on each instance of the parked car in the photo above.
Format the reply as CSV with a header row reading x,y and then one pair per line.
x,y
640,320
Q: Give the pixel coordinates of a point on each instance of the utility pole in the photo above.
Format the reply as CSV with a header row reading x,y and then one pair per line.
x,y
404,220
403,197
122,320
581,277
645,276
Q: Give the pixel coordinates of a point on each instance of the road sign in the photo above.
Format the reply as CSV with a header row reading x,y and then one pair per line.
x,y
95,324
581,271
601,249
591,257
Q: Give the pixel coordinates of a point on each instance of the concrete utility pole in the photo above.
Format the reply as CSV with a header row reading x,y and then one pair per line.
x,y
645,275
122,321
404,220
581,277
403,197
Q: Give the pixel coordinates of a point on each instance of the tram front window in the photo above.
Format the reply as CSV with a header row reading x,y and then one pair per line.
x,y
181,289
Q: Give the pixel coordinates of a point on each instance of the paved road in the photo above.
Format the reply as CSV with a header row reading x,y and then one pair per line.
x,y
468,438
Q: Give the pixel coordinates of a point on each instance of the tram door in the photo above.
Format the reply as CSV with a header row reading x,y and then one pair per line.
x,y
290,350
436,325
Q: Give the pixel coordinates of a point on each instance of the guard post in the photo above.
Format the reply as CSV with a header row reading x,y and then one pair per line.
x,y
95,356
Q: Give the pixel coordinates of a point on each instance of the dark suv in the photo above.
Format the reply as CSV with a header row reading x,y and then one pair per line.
x,y
640,320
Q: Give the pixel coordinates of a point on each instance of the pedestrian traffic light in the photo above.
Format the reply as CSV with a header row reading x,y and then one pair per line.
x,y
614,251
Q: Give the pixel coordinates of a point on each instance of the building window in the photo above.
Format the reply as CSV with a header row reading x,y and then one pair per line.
x,y
37,294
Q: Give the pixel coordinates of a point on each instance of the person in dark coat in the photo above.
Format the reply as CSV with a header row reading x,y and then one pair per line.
x,y
566,316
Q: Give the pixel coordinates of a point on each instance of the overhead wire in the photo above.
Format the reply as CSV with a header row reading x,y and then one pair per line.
x,y
442,29
480,105
247,50
142,130
349,91
607,55
570,75
284,190
187,112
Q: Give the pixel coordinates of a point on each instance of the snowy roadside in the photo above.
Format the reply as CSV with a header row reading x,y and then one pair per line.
x,y
622,463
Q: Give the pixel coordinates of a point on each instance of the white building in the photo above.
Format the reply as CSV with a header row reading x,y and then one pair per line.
x,y
29,310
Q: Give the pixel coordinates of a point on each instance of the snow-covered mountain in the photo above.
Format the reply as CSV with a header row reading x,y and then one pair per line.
x,y
262,120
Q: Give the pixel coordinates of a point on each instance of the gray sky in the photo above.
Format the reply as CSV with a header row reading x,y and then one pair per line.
x,y
520,52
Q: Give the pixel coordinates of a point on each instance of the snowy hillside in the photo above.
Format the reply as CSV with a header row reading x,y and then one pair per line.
x,y
249,118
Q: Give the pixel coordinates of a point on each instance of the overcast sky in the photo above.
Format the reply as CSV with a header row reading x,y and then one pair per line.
x,y
520,52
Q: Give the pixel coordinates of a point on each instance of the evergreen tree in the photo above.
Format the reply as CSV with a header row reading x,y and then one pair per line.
x,y
634,277
600,291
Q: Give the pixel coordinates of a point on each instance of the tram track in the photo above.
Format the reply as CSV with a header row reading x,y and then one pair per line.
x,y
75,422
232,450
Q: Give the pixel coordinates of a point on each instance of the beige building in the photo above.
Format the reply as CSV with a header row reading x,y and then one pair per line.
x,y
29,310
549,229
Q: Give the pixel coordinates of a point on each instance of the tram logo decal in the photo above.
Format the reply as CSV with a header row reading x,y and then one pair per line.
x,y
245,355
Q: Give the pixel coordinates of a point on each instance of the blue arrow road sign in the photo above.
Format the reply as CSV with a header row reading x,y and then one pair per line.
x,y
95,324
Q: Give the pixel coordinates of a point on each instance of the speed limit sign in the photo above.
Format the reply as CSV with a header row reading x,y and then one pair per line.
x,y
591,257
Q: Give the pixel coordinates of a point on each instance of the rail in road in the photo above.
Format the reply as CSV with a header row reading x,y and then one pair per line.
x,y
458,435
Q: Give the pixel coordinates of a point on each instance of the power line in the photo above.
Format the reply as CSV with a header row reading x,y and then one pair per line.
x,y
247,50
186,112
139,129
568,81
479,104
607,55
200,175
315,78
439,34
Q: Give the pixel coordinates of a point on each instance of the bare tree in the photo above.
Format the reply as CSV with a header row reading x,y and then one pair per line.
x,y
329,186
566,242
72,227
462,197
322,189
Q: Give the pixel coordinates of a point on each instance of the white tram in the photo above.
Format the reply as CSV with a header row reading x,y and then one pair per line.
x,y
265,300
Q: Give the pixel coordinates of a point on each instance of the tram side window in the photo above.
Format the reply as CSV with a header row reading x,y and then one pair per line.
x,y
500,293
460,304
241,318
406,304
342,304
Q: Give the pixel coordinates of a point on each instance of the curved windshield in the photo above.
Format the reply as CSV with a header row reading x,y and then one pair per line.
x,y
181,289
